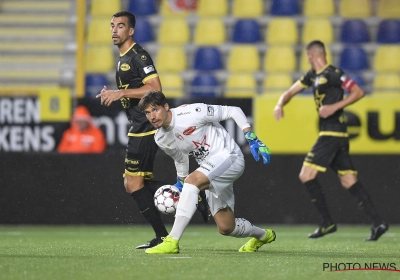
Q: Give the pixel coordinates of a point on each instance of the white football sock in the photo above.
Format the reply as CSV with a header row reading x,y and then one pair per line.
x,y
244,228
186,208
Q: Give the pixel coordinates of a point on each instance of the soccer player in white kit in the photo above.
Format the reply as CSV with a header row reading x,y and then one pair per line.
x,y
194,129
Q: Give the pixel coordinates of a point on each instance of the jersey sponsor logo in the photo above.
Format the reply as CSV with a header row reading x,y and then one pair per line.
x,y
189,130
125,67
130,161
209,164
177,135
161,137
210,111
143,57
321,80
148,69
184,113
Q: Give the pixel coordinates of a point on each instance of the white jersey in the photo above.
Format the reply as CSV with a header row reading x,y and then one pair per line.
x,y
195,130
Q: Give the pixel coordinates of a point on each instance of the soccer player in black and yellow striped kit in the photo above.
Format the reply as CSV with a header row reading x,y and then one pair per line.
x,y
332,146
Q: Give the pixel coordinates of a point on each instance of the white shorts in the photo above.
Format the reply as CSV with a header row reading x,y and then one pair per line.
x,y
222,170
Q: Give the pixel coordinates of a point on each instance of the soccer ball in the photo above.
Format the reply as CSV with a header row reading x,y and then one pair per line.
x,y
166,199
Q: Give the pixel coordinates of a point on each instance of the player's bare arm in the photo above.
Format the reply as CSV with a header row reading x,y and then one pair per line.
x,y
285,98
355,94
108,96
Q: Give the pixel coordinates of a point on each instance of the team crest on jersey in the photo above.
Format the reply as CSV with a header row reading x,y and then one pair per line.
x,y
177,135
125,67
189,130
201,150
143,57
125,102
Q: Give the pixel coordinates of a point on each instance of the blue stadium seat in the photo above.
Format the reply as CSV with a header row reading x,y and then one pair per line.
x,y
388,31
246,31
354,31
143,31
284,7
353,58
204,85
94,84
208,59
142,7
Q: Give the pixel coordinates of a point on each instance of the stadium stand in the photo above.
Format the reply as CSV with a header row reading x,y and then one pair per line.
x,y
246,31
353,58
280,59
174,31
318,8
173,85
355,9
203,36
212,8
388,9
204,85
387,58
354,31
282,31
243,58
142,7
239,85
387,83
171,58
208,59
103,7
143,31
247,8
388,31
98,31
318,29
284,7
276,83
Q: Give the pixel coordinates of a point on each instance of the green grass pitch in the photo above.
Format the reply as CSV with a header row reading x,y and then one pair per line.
x,y
108,252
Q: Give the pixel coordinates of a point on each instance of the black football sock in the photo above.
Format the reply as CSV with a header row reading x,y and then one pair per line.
x,y
318,199
365,202
145,201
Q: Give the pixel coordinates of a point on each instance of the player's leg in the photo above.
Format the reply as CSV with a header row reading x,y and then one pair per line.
x,y
198,180
320,156
349,180
138,183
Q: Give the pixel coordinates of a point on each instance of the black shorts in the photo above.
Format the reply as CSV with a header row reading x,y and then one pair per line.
x,y
330,151
140,155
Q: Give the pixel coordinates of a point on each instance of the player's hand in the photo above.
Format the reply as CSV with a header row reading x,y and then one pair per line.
x,y
257,147
108,96
179,184
278,112
326,111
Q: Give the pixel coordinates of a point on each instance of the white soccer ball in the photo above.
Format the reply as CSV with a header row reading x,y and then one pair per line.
x,y
166,199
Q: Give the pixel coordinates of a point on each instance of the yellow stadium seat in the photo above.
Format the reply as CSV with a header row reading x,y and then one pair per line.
x,y
282,30
247,8
243,58
387,83
99,59
305,65
318,8
212,8
172,84
174,31
280,59
209,31
276,83
240,86
167,11
387,58
388,9
171,58
317,29
104,7
98,31
355,8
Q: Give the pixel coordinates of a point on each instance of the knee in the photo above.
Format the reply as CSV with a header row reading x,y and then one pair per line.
x,y
225,229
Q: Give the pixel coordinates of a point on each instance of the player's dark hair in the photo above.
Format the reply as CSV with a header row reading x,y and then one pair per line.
x,y
152,98
316,44
129,15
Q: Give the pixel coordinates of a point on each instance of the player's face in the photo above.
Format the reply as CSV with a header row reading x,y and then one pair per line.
x,y
158,115
120,30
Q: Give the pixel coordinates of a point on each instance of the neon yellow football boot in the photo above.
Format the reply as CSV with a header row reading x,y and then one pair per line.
x,y
168,246
254,244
